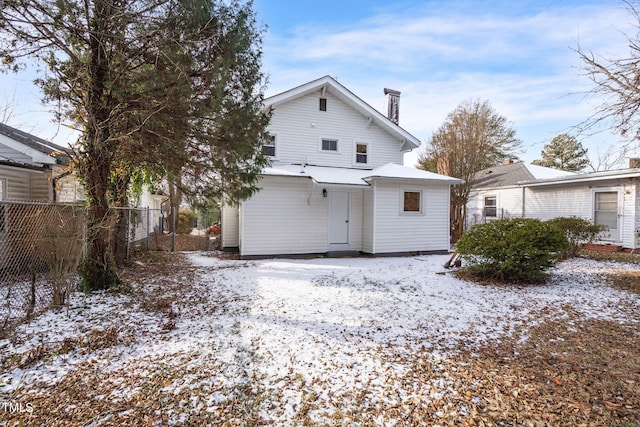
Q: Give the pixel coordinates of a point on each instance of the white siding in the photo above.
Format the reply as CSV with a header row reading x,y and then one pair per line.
x,y
279,219
399,232
290,216
368,219
230,226
25,184
551,202
356,198
508,204
629,216
299,125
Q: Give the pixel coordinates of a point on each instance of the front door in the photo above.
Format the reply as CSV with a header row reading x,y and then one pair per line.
x,y
339,218
605,212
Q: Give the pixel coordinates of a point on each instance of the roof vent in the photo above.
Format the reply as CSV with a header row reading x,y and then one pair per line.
x,y
393,105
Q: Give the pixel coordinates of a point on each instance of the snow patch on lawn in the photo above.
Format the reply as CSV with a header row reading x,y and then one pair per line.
x,y
314,330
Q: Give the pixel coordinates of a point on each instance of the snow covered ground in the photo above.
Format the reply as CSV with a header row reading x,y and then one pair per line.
x,y
320,336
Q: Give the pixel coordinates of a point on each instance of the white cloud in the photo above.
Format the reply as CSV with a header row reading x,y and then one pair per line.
x,y
524,65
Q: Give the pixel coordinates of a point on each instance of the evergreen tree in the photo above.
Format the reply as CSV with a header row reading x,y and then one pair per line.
x,y
564,152
172,88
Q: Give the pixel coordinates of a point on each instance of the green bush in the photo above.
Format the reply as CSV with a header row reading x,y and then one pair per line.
x,y
517,249
579,231
186,219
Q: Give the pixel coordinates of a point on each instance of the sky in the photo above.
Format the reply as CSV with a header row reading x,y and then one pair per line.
x,y
518,55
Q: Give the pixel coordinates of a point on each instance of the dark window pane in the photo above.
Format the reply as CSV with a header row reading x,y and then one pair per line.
x,y
412,201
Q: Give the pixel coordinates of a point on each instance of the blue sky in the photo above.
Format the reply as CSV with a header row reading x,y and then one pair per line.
x,y
515,54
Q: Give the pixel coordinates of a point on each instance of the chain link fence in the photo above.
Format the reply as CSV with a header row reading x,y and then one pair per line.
x,y
43,244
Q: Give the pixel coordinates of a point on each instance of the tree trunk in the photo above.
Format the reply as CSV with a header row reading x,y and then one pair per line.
x,y
99,270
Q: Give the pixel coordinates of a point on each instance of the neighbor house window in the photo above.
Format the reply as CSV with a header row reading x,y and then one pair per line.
x,y
362,153
329,145
269,147
490,206
323,104
412,201
606,209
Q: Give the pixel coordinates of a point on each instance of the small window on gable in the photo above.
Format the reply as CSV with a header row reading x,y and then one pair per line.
x,y
269,147
329,144
362,153
412,202
323,104
490,206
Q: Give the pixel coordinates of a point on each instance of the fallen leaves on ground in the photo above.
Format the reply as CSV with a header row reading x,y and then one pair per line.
x,y
563,371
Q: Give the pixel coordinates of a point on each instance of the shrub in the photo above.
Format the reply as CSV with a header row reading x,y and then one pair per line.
x,y
517,249
185,222
579,231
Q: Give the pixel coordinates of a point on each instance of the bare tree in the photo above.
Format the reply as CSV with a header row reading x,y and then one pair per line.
x,y
616,82
473,137
7,108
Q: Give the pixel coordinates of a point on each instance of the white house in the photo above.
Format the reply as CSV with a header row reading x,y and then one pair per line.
x,y
34,169
609,198
337,183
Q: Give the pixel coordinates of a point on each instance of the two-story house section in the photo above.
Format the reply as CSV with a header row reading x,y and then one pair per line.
x,y
337,183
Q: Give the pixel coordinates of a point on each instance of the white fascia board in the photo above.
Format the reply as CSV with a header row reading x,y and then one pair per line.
x,y
36,156
588,177
409,142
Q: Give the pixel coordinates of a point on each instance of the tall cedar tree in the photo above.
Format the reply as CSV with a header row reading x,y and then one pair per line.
x,y
473,137
564,152
164,87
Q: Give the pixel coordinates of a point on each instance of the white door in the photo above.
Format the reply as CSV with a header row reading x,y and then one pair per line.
x,y
605,212
338,217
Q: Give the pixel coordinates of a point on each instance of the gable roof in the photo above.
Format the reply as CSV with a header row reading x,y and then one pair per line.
x,y
357,177
30,149
515,173
329,84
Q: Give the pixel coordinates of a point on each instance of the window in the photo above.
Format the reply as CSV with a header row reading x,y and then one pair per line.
x,y
269,148
412,201
323,104
362,155
606,209
329,145
490,206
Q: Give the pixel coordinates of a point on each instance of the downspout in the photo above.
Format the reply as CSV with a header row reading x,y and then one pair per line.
x,y
54,182
313,190
524,193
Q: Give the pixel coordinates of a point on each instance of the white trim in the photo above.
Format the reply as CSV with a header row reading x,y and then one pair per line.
x,y
35,155
275,146
408,141
3,189
620,212
375,216
402,192
327,138
355,153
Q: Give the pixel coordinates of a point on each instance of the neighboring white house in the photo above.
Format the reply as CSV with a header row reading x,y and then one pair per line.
x,y
34,169
337,184
609,198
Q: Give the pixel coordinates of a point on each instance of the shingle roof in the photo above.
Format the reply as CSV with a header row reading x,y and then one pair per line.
x,y
36,143
514,173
